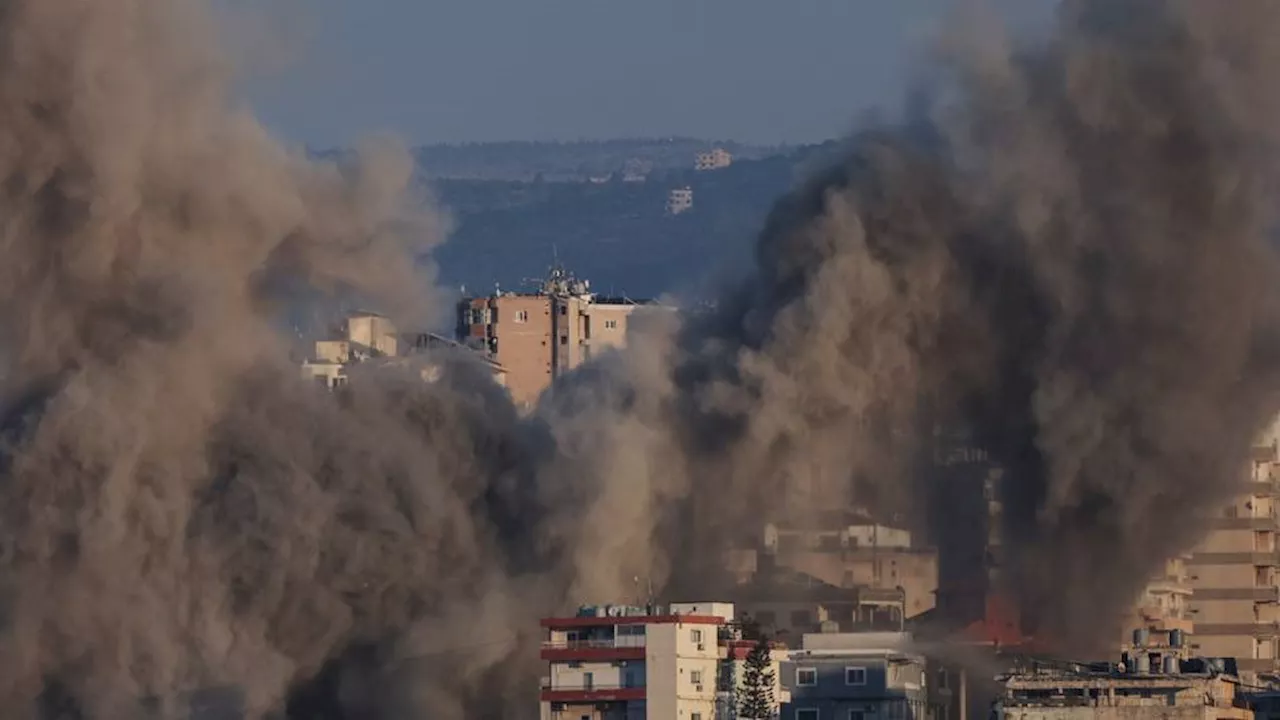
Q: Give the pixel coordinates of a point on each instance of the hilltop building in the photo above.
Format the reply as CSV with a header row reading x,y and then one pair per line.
x,y
679,200
536,337
714,159
628,663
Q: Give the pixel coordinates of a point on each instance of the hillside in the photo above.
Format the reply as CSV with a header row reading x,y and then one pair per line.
x,y
614,233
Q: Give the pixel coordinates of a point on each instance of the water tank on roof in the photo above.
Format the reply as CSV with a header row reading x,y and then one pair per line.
x,y
1140,637
1175,638
1170,665
1142,664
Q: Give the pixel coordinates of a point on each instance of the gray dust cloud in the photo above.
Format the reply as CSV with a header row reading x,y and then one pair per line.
x,y
1064,246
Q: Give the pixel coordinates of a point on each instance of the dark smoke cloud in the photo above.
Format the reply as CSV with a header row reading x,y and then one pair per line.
x,y
1066,247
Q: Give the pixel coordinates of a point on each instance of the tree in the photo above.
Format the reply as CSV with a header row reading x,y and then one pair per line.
x,y
756,698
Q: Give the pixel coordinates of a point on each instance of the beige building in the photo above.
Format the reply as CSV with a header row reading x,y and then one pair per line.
x,y
1235,597
713,160
1064,694
367,337
847,551
629,663
538,337
1162,611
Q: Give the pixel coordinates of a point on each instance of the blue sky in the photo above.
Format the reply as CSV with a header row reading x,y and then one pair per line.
x,y
461,70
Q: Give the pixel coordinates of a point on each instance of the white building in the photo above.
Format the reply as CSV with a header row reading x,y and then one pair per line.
x,y
679,200
673,662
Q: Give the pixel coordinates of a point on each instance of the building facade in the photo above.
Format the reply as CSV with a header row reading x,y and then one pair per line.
x,y
627,663
714,159
857,676
1106,694
679,200
537,337
366,337
1235,600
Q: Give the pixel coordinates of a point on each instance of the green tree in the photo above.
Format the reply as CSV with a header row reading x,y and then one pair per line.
x,y
756,700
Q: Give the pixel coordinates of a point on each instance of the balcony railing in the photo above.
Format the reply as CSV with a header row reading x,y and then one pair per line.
x,y
636,641
592,687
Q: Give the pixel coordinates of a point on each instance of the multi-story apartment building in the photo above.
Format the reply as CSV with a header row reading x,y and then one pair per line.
x,y
787,604
629,663
679,200
538,336
1163,609
714,159
1235,601
859,676
846,550
369,337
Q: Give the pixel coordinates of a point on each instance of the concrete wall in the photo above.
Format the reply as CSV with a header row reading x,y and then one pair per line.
x,y
681,670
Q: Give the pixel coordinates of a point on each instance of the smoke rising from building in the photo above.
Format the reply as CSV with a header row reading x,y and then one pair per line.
x,y
1066,247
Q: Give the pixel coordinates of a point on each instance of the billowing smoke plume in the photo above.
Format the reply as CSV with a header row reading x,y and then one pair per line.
x,y
1065,248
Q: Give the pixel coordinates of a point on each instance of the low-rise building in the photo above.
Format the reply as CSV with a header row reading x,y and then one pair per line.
x,y
679,200
1172,689
713,159
630,662
858,676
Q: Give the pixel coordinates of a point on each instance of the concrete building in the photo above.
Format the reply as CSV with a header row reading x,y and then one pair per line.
x,y
679,200
714,159
847,550
788,604
366,337
858,676
1235,601
1192,690
539,336
625,663
1162,610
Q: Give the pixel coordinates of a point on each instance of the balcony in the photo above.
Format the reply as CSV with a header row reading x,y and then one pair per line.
x,y
623,648
591,693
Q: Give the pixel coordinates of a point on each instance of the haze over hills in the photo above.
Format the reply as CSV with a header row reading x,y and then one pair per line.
x,y
599,217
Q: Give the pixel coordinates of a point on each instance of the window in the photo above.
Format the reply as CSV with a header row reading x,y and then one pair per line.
x,y
807,714
521,317
942,678
806,677
610,324
695,635
588,680
855,676
695,677
564,339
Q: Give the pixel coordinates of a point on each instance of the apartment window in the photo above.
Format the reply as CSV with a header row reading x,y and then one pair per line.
x,y
564,339
695,677
610,324
806,677
855,676
942,679
564,309
588,680
695,636
521,316
807,714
